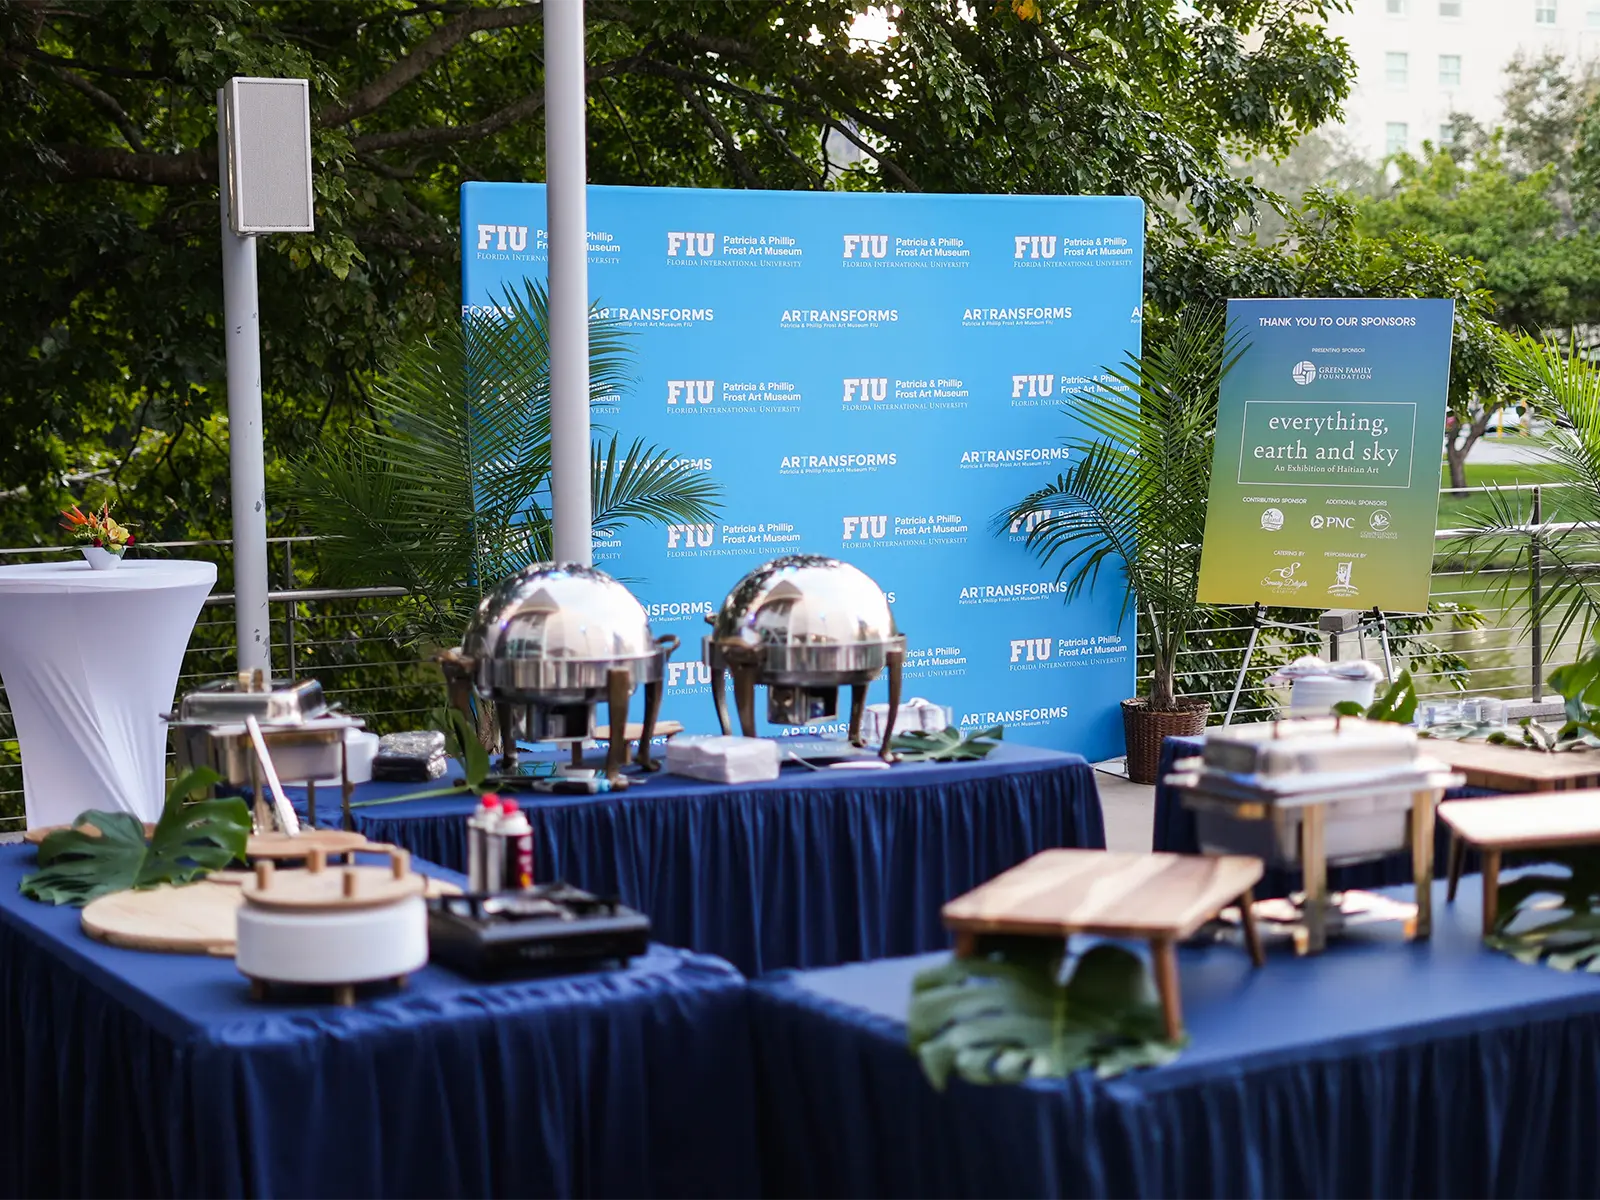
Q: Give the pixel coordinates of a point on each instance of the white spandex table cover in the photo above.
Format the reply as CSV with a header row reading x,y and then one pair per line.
x,y
90,661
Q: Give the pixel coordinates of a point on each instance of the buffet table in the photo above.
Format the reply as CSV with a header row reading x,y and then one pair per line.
x,y
90,661
811,869
129,1073
1379,1069
1175,832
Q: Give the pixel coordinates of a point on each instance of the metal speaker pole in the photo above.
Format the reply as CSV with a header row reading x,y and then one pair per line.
x,y
566,176
264,168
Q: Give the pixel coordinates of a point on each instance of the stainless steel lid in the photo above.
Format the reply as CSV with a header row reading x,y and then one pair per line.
x,y
232,700
551,633
804,618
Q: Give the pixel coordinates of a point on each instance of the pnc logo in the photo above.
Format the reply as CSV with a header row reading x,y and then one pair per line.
x,y
1304,372
687,674
1034,246
1321,522
690,391
1032,649
689,536
865,389
1032,385
693,245
1031,521
504,237
858,529
866,245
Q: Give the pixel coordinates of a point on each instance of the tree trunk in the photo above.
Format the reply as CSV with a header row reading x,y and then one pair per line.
x,y
1457,460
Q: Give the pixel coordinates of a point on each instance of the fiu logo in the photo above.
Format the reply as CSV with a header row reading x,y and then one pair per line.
x,y
1030,521
866,389
1034,246
689,536
857,529
504,237
687,674
690,391
1032,385
1032,649
693,245
866,245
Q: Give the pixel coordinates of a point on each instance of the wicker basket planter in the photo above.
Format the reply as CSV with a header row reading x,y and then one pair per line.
x,y
1145,731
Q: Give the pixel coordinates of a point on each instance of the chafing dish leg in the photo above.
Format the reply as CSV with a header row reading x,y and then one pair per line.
x,y
347,821
508,738
1422,861
311,803
1314,865
652,710
858,706
719,697
744,699
894,660
619,686
1252,932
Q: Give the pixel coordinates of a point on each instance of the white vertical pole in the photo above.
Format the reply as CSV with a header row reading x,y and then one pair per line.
x,y
246,448
566,175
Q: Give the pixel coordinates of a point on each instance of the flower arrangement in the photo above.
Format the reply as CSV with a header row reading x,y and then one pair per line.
x,y
97,531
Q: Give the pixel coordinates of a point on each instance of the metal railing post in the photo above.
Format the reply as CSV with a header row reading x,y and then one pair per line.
x,y
1536,596
289,618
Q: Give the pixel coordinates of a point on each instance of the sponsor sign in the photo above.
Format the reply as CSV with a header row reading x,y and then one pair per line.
x,y
871,377
1325,478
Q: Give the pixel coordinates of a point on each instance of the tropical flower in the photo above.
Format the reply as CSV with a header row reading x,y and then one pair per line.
x,y
96,528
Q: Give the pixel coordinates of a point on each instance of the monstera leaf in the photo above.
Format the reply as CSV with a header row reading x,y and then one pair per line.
x,y
1002,1015
1552,918
190,840
948,746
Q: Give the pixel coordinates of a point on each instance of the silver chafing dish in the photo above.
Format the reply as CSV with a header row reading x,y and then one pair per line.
x,y
1307,794
803,626
301,740
551,642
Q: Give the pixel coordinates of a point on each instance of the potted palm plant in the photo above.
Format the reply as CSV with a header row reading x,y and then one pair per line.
x,y
1135,502
446,491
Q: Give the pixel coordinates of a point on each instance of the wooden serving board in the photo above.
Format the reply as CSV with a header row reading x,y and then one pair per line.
x,y
198,918
329,841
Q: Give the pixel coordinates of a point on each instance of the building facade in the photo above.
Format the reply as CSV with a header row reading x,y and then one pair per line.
x,y
1418,61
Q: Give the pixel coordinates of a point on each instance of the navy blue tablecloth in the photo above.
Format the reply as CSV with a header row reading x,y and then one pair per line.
x,y
1379,1069
1175,831
124,1074
811,869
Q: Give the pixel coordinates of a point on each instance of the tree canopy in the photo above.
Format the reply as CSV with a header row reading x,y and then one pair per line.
x,y
110,309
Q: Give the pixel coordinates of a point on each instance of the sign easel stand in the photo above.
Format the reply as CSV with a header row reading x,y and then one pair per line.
x,y
1333,622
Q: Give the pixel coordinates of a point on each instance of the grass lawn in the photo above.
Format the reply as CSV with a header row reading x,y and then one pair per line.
x,y
1455,511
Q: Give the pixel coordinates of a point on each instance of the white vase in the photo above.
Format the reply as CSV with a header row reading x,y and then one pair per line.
x,y
102,559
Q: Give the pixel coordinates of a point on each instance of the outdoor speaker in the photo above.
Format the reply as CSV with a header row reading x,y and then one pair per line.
x,y
268,124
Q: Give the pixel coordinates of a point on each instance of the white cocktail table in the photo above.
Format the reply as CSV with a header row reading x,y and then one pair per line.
x,y
90,660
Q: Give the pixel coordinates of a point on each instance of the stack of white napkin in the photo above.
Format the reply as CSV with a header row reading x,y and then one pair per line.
x,y
915,713
723,759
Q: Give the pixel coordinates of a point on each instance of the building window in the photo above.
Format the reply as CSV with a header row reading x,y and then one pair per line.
x,y
1396,68
1544,12
1594,16
1449,8
1397,134
1450,70
1447,135
1395,8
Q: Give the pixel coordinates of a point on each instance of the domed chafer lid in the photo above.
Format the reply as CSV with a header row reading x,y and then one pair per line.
x,y
559,613
805,600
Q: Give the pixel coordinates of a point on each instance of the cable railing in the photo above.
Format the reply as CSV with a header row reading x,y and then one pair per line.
x,y
350,640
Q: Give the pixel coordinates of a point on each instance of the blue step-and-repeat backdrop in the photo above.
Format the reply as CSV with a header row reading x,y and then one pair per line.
x,y
872,377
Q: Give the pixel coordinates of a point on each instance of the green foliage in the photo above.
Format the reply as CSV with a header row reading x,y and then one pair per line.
x,y
447,490
1565,935
946,746
1002,1015
1397,704
1561,385
1135,502
190,841
1578,684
